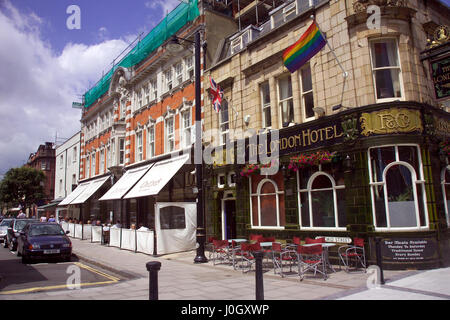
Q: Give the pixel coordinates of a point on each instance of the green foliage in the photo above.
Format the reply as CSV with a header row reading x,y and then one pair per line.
x,y
23,186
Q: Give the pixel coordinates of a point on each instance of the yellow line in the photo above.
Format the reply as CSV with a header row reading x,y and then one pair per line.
x,y
97,271
63,286
28,290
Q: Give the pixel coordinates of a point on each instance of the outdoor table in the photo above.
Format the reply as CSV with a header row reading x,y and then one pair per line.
x,y
237,240
325,245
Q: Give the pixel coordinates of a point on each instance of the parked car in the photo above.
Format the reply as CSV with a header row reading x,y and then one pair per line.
x,y
13,231
4,225
43,240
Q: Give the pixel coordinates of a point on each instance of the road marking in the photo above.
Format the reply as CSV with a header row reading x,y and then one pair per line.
x,y
111,278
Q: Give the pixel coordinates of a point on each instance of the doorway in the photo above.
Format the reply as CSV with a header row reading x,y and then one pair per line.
x,y
228,217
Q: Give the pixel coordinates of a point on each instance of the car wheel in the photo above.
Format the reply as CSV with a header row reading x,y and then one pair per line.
x,y
25,260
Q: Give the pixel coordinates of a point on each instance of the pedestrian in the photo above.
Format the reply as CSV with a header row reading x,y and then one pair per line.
x,y
21,215
52,219
142,228
43,219
117,225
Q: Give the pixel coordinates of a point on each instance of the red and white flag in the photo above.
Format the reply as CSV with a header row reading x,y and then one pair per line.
x,y
217,94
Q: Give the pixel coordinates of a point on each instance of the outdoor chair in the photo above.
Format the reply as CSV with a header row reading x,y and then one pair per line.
x,y
220,251
354,252
247,250
209,246
256,237
296,241
282,257
235,253
310,241
311,258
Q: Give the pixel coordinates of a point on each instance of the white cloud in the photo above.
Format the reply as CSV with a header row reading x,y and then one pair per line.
x,y
37,86
164,5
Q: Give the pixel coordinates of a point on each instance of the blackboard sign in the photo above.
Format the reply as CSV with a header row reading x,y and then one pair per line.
x,y
408,249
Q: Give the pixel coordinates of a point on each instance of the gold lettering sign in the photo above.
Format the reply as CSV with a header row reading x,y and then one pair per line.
x,y
442,126
396,120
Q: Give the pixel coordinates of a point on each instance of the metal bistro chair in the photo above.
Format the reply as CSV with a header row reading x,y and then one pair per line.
x,y
281,257
235,254
311,258
220,251
354,252
210,246
248,259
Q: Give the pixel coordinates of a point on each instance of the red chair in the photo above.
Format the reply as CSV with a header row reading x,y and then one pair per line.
x,y
281,257
268,239
310,241
246,252
256,237
311,258
354,252
209,246
220,251
296,240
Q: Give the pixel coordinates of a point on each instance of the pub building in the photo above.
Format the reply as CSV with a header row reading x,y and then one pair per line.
x,y
360,154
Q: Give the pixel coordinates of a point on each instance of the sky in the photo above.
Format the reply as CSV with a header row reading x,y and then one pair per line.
x,y
46,63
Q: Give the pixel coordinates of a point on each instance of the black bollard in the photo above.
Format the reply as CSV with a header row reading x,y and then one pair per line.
x,y
379,259
259,275
153,267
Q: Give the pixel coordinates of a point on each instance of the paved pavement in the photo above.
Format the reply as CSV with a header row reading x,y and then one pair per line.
x,y
181,279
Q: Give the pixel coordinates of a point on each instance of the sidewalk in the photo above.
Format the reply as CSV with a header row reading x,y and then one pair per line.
x,y
181,279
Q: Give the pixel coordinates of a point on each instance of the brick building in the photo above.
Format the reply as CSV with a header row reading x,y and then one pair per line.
x,y
44,159
366,110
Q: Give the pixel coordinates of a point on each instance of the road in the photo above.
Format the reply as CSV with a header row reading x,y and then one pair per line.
x,y
16,277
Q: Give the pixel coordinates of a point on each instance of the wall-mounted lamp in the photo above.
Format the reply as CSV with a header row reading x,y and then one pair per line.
x,y
348,164
247,119
339,106
320,111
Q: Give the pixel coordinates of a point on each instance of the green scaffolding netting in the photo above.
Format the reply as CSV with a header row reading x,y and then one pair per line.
x,y
174,21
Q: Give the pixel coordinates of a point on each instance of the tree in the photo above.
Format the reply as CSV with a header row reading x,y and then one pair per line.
x,y
23,186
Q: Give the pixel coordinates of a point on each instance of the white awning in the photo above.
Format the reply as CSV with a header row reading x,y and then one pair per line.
x,y
157,177
125,183
93,186
75,193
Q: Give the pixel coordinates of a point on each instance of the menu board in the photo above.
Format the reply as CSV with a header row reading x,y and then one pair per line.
x,y
408,249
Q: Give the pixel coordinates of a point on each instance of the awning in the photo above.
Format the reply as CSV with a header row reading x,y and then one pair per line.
x,y
125,183
93,186
50,205
75,193
157,177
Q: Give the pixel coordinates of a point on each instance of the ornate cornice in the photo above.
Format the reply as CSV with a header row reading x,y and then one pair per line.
x,y
361,5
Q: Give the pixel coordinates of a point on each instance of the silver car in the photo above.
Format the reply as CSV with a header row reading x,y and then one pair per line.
x,y
4,225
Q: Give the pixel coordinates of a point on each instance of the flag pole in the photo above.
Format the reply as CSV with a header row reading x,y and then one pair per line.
x,y
344,73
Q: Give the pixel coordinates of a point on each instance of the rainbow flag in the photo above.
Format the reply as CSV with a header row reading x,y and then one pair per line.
x,y
304,49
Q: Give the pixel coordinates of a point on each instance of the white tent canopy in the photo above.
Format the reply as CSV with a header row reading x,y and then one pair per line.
x,y
125,183
84,191
75,193
157,177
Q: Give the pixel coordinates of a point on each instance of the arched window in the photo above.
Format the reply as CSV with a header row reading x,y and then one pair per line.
x,y
321,200
265,205
397,188
445,182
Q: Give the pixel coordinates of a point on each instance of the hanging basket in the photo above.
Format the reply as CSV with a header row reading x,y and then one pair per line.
x,y
250,169
312,159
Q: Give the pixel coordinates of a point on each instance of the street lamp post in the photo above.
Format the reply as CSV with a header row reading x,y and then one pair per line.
x,y
176,47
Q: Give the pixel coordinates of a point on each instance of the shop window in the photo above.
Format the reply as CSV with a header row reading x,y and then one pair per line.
x,y
397,188
386,69
445,181
285,101
322,197
231,179
172,218
265,105
266,205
